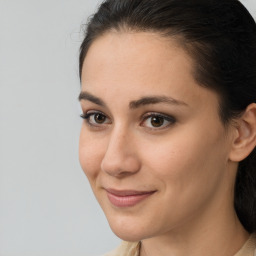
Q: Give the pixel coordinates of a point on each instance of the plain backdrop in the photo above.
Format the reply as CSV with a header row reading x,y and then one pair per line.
x,y
46,205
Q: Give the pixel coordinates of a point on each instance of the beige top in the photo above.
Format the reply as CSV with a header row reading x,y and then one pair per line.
x,y
132,249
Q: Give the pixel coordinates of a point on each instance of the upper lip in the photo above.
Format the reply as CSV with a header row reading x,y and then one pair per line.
x,y
128,192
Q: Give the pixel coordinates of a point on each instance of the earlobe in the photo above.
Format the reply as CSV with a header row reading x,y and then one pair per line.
x,y
245,139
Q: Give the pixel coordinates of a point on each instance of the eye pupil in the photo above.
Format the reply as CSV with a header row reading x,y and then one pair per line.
x,y
99,118
157,121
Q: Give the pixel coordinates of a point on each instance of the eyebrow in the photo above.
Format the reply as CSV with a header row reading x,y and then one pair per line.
x,y
92,98
136,103
154,100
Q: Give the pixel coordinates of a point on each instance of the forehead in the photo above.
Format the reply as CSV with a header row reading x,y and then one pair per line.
x,y
144,54
130,65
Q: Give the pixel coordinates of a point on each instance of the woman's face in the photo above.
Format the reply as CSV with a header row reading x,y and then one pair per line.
x,y
152,144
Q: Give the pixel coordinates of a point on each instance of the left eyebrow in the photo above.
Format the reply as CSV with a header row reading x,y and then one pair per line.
x,y
154,100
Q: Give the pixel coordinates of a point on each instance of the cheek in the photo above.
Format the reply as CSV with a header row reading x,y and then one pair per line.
x,y
90,154
186,160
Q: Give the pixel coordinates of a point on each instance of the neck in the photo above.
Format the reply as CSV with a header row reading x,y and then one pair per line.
x,y
221,237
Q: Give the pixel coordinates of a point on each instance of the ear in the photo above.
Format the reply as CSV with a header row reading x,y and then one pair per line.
x,y
245,135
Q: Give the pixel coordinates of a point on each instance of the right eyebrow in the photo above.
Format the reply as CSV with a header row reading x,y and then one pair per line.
x,y
92,98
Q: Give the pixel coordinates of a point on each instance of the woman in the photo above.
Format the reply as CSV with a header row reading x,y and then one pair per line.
x,y
168,142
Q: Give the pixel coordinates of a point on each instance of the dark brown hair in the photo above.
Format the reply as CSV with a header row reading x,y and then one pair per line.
x,y
220,36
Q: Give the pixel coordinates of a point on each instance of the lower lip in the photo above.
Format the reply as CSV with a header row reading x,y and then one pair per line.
x,y
127,201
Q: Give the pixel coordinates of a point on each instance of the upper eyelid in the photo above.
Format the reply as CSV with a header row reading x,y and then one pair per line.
x,y
88,112
95,111
150,114
92,111
155,114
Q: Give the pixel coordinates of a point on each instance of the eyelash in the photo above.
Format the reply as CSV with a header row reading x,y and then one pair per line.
x,y
165,118
90,114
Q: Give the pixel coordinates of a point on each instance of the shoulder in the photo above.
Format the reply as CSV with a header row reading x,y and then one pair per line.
x,y
125,249
249,248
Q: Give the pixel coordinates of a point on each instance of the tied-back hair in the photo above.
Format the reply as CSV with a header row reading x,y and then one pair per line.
x,y
220,36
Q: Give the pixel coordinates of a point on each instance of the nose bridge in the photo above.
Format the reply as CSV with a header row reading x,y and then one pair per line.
x,y
120,157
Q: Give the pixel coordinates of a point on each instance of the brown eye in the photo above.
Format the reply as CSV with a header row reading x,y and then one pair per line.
x,y
157,121
99,118
96,118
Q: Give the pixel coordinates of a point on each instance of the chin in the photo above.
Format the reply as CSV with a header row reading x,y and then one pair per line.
x,y
128,235
129,229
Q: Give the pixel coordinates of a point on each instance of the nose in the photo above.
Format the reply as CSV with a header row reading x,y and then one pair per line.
x,y
120,158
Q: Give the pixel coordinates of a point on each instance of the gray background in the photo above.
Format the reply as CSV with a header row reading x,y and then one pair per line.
x,y
46,206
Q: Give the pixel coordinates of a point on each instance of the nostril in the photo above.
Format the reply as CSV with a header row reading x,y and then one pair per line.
x,y
118,173
119,167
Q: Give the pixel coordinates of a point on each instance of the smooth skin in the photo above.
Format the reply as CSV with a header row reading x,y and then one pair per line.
x,y
173,144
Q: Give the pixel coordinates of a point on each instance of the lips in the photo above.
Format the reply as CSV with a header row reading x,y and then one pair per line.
x,y
127,198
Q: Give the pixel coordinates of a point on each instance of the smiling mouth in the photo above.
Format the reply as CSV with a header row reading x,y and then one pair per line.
x,y
127,198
